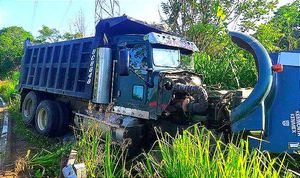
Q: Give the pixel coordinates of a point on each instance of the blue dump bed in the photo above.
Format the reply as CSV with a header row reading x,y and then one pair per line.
x,y
60,68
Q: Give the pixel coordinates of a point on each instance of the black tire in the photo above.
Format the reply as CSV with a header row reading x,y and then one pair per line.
x,y
46,118
64,118
29,106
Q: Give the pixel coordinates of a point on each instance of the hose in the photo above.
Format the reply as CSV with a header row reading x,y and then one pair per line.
x,y
201,104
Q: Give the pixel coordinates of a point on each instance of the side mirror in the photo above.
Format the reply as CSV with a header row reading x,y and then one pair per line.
x,y
123,63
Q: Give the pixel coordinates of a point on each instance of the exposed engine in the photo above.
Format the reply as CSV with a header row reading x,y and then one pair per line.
x,y
191,101
189,94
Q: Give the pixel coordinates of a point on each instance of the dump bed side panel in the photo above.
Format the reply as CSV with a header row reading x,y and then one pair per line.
x,y
60,68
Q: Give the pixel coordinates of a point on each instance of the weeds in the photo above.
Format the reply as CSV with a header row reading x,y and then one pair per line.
x,y
103,158
200,154
43,163
194,153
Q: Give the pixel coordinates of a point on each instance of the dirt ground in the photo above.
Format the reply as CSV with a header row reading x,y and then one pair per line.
x,y
16,147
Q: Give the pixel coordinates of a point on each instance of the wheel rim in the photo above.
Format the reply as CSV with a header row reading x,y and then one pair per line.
x,y
42,119
27,110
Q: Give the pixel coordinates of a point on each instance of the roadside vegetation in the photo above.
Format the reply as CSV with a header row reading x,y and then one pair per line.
x,y
196,152
8,86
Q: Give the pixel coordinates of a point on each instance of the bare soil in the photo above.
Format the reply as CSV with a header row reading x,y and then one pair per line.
x,y
16,147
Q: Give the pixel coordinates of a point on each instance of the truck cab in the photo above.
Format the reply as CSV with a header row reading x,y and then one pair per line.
x,y
139,85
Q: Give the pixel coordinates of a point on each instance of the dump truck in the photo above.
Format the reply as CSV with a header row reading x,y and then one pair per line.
x,y
132,77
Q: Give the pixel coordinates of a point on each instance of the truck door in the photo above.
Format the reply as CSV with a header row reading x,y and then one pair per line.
x,y
131,90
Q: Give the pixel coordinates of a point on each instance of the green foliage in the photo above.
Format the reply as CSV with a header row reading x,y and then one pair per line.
x,y
11,48
48,34
282,31
268,35
8,87
197,153
209,38
70,36
44,162
51,35
233,69
252,12
287,20
102,158
220,61
182,14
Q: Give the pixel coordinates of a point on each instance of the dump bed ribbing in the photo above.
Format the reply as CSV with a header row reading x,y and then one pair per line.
x,y
61,67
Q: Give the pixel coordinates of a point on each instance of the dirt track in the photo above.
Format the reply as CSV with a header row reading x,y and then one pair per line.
x,y
10,151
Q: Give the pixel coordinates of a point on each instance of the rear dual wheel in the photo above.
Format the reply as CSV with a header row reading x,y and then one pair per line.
x,y
46,118
52,118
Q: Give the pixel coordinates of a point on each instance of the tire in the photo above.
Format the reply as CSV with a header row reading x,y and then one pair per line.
x,y
29,106
64,118
46,118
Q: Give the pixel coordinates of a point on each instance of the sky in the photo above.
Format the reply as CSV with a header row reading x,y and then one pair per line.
x,y
60,14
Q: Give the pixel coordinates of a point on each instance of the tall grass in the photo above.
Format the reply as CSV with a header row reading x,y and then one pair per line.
x,y
102,157
194,153
198,153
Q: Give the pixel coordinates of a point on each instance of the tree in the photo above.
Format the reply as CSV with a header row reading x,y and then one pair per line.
x,y
206,21
71,36
282,32
269,34
287,19
182,14
48,34
79,25
11,48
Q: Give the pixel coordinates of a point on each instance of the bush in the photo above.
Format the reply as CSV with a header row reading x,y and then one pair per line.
x,y
232,69
9,86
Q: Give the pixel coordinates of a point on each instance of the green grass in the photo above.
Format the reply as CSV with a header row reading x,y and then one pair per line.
x,y
198,153
194,153
102,156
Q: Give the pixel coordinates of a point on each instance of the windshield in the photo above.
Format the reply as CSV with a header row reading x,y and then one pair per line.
x,y
166,57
